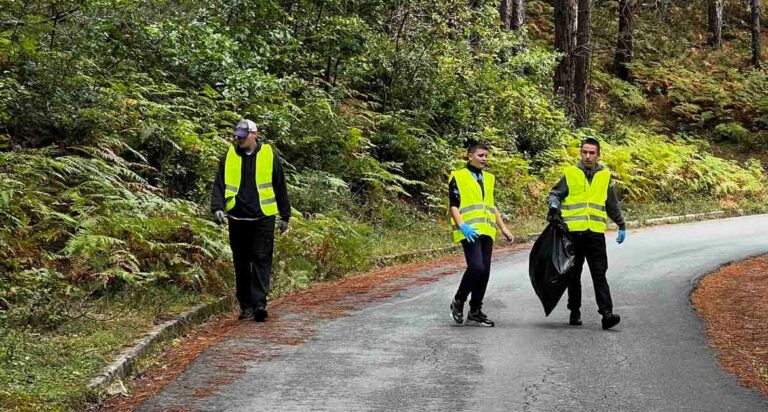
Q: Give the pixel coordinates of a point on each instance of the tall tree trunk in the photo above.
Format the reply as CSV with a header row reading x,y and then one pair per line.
x,y
565,43
474,37
518,14
663,7
327,76
715,23
582,56
505,11
755,9
625,47
54,22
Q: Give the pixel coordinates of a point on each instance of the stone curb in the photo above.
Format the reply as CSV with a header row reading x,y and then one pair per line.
x,y
123,365
125,362
680,218
383,261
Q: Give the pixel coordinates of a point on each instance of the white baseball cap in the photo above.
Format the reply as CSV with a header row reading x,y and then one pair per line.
x,y
244,127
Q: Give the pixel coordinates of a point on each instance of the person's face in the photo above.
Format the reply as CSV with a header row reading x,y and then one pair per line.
x,y
589,155
478,158
248,141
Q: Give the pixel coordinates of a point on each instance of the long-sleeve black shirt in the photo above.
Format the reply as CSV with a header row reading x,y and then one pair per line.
x,y
560,191
454,197
247,202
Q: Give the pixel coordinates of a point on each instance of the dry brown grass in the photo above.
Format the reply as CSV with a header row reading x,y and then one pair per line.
x,y
734,304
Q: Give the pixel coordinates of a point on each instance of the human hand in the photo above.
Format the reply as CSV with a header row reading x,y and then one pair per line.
x,y
507,234
554,215
282,226
554,205
621,237
469,232
220,217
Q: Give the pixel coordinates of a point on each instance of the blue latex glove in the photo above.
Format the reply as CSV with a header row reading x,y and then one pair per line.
x,y
469,232
554,205
621,237
554,214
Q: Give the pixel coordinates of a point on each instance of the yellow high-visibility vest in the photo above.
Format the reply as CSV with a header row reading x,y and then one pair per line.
x,y
584,207
475,210
232,174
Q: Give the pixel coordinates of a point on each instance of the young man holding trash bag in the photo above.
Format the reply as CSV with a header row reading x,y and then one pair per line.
x,y
248,192
584,199
475,220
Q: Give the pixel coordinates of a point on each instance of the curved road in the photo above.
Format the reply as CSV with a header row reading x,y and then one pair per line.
x,y
403,353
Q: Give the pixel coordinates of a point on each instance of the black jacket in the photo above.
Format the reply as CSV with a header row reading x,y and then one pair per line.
x,y
560,191
247,204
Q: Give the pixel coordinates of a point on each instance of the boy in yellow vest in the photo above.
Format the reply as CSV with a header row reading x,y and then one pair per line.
x,y
249,191
475,220
584,199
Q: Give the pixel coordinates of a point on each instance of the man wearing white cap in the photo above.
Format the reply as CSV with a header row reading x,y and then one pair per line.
x,y
248,192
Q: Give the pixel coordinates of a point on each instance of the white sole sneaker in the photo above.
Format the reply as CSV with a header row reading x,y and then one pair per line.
x,y
485,324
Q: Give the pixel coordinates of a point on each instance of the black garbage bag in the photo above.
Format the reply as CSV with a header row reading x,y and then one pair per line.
x,y
551,257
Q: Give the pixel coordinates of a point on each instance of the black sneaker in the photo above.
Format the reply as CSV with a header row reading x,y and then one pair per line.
x,y
575,319
261,315
246,313
610,320
478,318
457,311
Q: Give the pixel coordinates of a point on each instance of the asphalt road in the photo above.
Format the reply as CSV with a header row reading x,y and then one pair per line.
x,y
405,354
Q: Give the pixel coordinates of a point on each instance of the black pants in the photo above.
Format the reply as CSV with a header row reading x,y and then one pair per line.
x,y
475,279
252,243
590,245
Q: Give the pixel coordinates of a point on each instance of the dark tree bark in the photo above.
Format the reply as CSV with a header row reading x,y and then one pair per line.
x,y
474,37
755,9
582,56
625,47
715,11
663,7
518,14
328,67
505,10
54,22
512,14
565,43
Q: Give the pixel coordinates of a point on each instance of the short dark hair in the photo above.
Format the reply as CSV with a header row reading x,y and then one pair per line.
x,y
592,141
473,146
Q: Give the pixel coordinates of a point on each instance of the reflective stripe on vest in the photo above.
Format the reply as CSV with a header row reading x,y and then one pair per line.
x,y
584,208
475,210
233,166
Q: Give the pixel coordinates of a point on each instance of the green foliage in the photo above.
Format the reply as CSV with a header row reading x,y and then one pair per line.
x,y
80,226
113,116
680,83
521,194
319,248
49,370
701,99
124,110
733,132
620,96
648,167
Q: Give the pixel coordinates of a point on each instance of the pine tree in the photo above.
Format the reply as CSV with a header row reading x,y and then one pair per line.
x,y
715,11
582,59
755,9
625,43
565,43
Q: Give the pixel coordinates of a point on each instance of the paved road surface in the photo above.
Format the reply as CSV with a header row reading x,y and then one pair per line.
x,y
403,353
